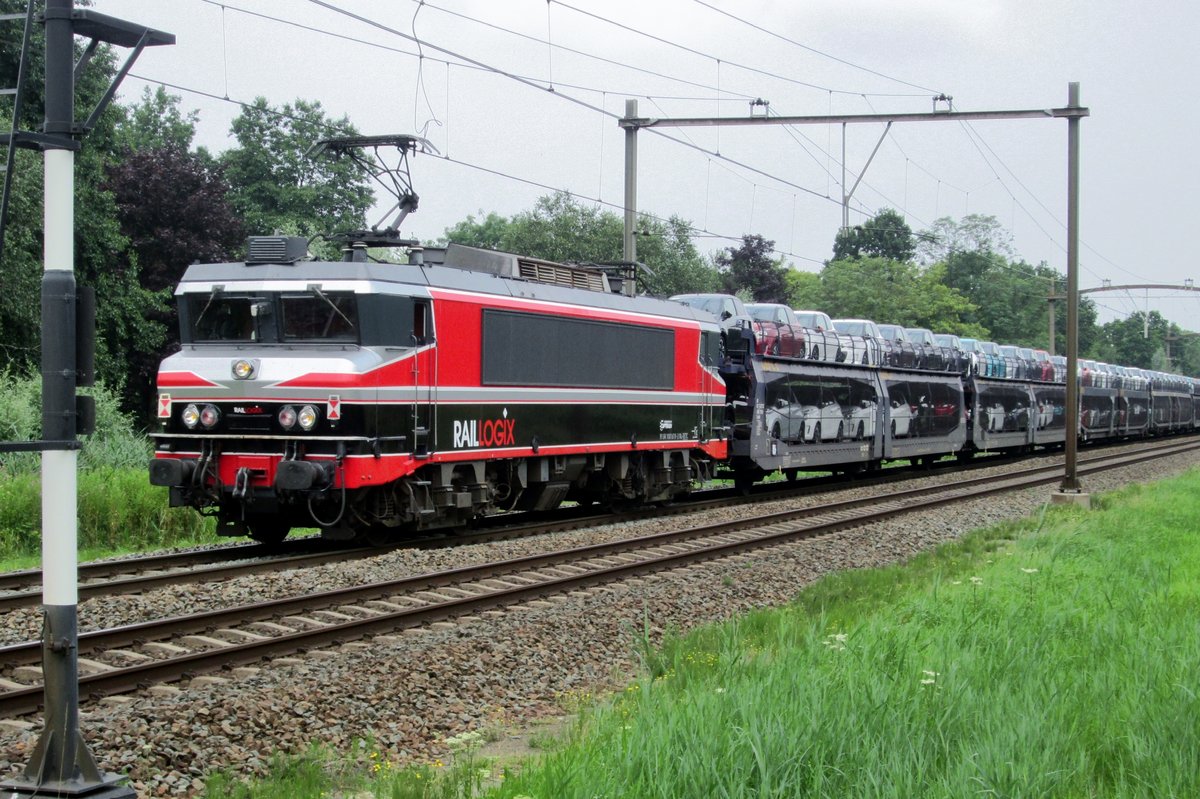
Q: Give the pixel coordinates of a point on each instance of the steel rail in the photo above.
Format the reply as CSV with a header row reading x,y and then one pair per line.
x,y
773,528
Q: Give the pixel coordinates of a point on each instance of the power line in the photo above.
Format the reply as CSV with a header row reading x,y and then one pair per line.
x,y
695,232
821,53
693,51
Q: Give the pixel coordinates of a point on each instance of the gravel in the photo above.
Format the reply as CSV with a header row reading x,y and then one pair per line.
x,y
410,691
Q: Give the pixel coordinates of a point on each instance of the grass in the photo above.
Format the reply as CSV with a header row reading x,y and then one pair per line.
x,y
1055,660
119,511
1054,657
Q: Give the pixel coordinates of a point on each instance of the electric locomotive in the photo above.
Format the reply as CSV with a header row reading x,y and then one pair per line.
x,y
373,399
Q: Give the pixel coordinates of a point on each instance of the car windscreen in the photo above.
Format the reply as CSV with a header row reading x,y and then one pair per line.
x,y
850,328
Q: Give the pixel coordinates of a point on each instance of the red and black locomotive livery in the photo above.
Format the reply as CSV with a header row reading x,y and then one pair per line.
x,y
370,398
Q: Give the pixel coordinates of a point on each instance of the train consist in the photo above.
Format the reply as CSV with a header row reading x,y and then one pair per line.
x,y
373,399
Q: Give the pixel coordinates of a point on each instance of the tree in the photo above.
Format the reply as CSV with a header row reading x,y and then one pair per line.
x,y
157,121
274,186
750,268
894,292
172,208
804,290
974,233
560,228
885,235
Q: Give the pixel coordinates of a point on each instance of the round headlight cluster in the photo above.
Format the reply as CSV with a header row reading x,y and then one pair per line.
x,y
306,417
193,415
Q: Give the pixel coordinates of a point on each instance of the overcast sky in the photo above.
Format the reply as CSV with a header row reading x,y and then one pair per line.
x,y
503,142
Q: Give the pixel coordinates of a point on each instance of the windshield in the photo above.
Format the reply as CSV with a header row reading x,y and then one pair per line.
x,y
270,317
814,320
944,340
990,347
850,328
319,316
763,313
893,332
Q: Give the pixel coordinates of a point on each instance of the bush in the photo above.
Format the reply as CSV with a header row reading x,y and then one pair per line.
x,y
118,508
115,444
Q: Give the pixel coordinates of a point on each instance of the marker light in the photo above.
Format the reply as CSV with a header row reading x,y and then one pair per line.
x,y
210,416
191,416
308,417
287,417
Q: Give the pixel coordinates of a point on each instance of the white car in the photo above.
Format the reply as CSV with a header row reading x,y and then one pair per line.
x,y
827,423
995,418
900,418
785,420
862,420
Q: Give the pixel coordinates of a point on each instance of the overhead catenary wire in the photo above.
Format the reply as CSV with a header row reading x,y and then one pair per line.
x,y
695,232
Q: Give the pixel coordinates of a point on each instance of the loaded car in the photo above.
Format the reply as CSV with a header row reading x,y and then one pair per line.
x,y
903,353
957,359
862,338
930,354
782,334
822,340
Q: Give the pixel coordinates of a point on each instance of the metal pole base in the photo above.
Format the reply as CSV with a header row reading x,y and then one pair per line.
x,y
89,781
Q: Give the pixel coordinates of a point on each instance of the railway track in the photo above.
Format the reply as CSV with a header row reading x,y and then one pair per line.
x,y
123,659
20,589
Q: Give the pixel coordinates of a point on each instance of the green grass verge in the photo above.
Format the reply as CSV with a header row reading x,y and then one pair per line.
x,y
119,512
1055,657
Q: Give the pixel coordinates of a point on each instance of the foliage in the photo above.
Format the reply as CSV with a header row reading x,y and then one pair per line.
x,y
561,228
171,205
749,267
1011,299
894,292
1061,663
885,235
804,290
973,233
1143,341
157,122
276,186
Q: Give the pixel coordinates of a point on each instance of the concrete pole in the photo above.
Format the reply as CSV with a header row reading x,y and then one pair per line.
x,y
630,249
1070,483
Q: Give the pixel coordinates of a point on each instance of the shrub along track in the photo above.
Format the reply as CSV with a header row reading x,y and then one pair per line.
x,y
124,659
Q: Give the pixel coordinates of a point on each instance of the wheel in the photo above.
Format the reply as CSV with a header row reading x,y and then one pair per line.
x,y
862,429
864,359
816,353
840,431
269,533
775,347
816,432
743,481
775,432
893,428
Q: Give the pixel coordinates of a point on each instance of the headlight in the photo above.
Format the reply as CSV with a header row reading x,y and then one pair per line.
x,y
191,416
307,417
210,416
287,417
243,369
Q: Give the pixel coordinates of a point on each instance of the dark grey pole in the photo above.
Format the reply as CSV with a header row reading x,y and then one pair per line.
x,y
61,764
1070,483
630,249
